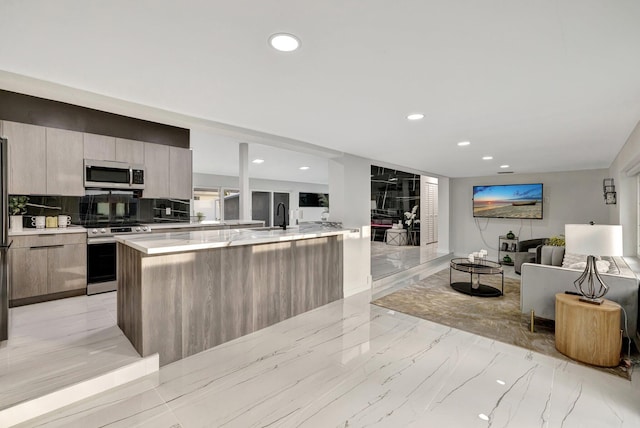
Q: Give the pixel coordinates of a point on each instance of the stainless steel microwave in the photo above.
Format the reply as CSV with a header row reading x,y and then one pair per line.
x,y
113,175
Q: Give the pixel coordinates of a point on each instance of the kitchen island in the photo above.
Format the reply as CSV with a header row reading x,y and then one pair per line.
x,y
183,292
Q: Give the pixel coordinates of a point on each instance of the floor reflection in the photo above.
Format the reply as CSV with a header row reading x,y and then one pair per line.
x,y
388,260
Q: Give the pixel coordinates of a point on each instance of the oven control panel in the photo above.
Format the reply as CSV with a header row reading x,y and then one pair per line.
x,y
124,230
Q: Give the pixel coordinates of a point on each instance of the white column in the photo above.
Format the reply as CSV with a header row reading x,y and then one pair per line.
x,y
349,203
245,196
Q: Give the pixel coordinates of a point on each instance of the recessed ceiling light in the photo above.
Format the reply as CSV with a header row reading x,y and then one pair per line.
x,y
415,116
304,168
483,417
487,157
504,166
258,161
284,42
464,143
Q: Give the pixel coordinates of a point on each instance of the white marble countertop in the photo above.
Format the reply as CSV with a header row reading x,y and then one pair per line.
x,y
48,231
203,224
174,242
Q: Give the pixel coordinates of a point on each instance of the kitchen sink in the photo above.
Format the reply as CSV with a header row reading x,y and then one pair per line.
x,y
269,228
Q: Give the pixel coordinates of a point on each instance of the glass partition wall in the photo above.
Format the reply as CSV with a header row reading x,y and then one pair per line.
x,y
394,193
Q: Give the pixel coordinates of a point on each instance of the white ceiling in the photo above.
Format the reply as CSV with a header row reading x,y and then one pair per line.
x,y
550,85
215,154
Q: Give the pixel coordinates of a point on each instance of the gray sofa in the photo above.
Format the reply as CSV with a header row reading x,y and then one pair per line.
x,y
524,255
541,282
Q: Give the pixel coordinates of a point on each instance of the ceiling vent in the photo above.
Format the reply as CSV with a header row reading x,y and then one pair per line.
x,y
505,172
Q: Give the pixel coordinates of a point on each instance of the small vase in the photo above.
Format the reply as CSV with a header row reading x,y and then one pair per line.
x,y
510,235
15,222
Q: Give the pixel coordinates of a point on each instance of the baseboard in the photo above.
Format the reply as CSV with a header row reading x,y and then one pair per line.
x,y
354,291
39,406
47,297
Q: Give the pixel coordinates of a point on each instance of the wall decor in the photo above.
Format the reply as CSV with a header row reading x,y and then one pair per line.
x,y
609,190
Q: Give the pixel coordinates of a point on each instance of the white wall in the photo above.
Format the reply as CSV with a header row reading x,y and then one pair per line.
x,y
205,181
444,214
624,170
569,197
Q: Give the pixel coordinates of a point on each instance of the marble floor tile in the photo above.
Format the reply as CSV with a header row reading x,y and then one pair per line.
x,y
351,364
387,260
56,344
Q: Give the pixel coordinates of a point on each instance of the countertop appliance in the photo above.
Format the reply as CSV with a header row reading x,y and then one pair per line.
x,y
101,254
4,243
113,175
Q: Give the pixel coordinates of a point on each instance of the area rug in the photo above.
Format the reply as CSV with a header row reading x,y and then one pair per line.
x,y
497,318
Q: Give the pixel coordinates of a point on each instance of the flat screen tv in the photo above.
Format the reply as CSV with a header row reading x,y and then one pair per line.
x,y
521,201
313,199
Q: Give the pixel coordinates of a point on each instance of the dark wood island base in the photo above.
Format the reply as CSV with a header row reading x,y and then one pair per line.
x,y
179,304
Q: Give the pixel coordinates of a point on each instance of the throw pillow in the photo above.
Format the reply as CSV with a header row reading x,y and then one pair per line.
x,y
578,266
573,258
601,265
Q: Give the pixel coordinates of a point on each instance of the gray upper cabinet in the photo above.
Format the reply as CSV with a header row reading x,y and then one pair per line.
x,y
99,147
50,161
27,158
156,161
180,173
129,151
64,162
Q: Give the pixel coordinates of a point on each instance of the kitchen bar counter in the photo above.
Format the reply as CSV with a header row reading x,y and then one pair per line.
x,y
175,242
181,293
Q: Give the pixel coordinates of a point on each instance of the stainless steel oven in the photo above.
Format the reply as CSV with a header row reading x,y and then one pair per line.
x,y
101,256
101,265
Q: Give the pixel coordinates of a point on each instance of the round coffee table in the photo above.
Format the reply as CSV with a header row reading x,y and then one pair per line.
x,y
475,288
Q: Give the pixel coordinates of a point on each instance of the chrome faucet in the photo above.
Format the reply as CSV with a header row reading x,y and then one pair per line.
x,y
284,215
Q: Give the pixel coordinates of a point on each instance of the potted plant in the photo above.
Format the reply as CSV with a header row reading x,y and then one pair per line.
x,y
411,220
200,216
17,207
556,241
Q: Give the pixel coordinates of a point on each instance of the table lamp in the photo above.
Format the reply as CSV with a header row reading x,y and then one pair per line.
x,y
592,239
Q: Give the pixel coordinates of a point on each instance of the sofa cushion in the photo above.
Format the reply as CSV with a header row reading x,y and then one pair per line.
x,y
551,255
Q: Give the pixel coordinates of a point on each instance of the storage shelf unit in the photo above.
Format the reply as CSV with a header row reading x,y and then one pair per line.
x,y
507,247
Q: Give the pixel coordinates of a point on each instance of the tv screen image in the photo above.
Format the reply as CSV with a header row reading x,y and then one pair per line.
x,y
522,201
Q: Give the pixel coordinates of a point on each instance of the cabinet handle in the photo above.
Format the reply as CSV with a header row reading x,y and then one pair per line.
x,y
46,246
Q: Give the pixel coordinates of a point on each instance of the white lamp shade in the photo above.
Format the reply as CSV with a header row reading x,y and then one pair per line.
x,y
594,240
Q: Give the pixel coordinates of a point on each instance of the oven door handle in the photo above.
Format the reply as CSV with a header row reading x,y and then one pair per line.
x,y
105,240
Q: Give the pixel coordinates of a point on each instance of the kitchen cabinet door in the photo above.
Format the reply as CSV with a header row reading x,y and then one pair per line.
x,y
65,162
28,272
130,151
67,268
99,147
27,151
180,173
156,162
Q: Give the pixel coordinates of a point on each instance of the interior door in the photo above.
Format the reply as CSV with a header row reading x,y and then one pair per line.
x,y
260,207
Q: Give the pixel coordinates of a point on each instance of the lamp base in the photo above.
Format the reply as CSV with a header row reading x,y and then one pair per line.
x,y
594,301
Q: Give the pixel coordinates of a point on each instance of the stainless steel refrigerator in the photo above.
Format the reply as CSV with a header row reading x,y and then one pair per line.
x,y
4,243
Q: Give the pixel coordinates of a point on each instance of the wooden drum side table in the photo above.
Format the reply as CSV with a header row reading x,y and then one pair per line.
x,y
588,333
